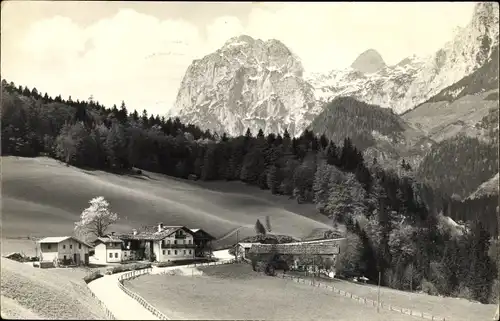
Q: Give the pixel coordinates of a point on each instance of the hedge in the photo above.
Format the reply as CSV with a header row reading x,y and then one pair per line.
x,y
127,267
183,262
92,276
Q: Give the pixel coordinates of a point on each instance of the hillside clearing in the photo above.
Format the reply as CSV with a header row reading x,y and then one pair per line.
x,y
450,308
236,292
442,120
46,293
41,195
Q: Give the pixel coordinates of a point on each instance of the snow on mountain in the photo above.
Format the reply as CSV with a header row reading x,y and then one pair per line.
x,y
414,80
248,83
384,88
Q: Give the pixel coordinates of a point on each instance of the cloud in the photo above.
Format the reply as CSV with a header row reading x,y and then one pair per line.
x,y
332,35
141,59
220,30
130,56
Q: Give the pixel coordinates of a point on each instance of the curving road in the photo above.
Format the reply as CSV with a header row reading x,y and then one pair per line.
x,y
122,306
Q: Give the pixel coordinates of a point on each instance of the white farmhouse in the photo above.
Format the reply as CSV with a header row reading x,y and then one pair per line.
x,y
109,249
64,250
161,243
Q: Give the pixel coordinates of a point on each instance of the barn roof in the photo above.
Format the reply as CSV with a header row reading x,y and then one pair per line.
x,y
247,245
317,248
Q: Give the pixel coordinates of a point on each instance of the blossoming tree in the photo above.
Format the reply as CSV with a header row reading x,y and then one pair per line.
x,y
96,218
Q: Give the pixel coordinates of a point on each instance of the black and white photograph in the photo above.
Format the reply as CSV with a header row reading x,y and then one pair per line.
x,y
275,161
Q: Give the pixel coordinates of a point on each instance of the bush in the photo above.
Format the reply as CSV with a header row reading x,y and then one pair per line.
x,y
464,292
128,267
164,264
92,276
495,289
428,287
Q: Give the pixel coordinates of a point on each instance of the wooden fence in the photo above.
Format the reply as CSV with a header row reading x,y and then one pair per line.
x,y
366,301
137,297
137,273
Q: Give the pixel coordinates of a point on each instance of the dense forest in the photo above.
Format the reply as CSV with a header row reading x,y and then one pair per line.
x,y
346,116
459,165
393,221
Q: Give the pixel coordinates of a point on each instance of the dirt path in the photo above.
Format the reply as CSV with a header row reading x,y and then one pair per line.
x,y
122,306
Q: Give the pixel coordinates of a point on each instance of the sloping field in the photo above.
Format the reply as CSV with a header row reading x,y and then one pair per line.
x,y
442,120
450,308
29,292
41,196
13,310
235,292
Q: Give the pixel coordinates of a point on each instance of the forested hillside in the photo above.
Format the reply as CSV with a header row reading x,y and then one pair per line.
x,y
459,165
392,219
346,116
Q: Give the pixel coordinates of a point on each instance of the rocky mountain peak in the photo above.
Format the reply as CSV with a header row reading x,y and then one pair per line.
x,y
240,40
248,83
485,13
368,62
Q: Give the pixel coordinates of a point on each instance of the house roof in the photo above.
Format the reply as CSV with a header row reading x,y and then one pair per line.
x,y
53,239
59,239
199,231
150,233
108,239
317,248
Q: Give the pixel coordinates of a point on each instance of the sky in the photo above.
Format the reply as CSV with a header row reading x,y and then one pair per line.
x,y
138,52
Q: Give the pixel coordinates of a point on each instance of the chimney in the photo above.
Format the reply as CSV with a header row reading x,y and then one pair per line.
x,y
134,232
160,227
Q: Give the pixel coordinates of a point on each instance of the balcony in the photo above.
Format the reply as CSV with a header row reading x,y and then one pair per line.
x,y
178,246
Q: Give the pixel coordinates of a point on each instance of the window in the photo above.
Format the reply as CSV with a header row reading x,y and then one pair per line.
x,y
163,252
71,246
168,252
48,246
189,242
64,246
175,241
116,255
168,241
79,246
189,251
110,255
65,258
175,252
184,252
